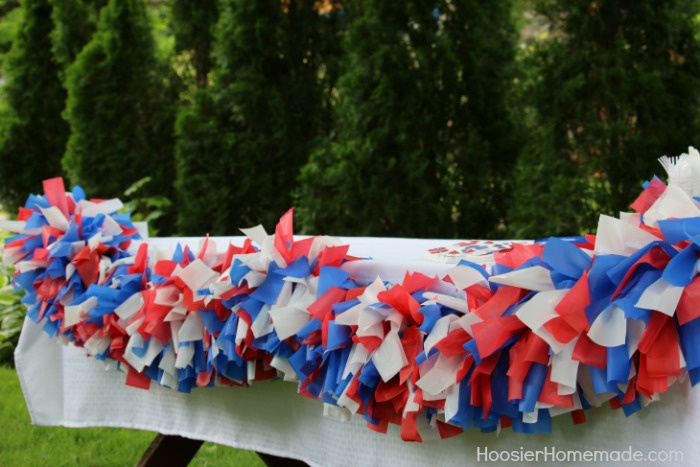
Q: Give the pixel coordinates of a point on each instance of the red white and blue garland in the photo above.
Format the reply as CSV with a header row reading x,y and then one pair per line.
x,y
551,328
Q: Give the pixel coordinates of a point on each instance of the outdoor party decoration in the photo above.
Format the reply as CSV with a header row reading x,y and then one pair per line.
x,y
476,251
547,328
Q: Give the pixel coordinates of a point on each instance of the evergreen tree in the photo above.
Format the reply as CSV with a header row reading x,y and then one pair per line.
x,y
10,20
120,111
6,6
617,85
193,26
424,141
549,192
242,142
32,133
74,24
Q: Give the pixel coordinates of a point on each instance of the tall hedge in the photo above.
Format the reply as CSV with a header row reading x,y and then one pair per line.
x,y
242,142
74,24
32,133
193,27
615,86
423,138
120,110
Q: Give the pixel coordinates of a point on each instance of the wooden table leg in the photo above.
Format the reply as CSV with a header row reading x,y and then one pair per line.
x,y
176,451
274,461
170,450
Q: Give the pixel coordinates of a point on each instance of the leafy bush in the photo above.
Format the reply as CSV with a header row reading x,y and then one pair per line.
x,y
614,86
243,140
193,27
74,24
32,133
11,315
120,107
423,140
144,208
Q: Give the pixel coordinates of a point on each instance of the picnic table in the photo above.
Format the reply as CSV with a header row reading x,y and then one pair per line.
x,y
64,388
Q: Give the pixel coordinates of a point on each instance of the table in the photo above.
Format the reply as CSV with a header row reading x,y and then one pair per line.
x,y
64,388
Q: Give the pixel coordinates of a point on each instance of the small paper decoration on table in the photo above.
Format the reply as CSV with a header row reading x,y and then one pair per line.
x,y
555,327
478,251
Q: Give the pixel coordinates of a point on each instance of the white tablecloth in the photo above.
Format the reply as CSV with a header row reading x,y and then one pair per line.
x,y
64,387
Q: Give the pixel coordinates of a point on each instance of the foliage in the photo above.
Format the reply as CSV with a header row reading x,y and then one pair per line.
x,y
159,12
7,6
241,143
21,443
423,139
615,86
549,195
10,20
32,133
120,107
193,27
145,208
380,118
74,24
12,314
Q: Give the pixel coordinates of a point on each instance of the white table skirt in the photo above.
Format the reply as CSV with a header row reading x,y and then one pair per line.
x,y
62,387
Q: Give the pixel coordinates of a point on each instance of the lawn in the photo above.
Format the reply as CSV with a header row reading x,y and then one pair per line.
x,y
22,444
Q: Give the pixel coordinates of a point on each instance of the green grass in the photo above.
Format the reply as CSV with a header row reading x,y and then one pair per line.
x,y
22,444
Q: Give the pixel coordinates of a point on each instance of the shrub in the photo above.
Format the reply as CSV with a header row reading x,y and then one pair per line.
x,y
242,142
614,86
120,107
423,140
12,314
32,133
